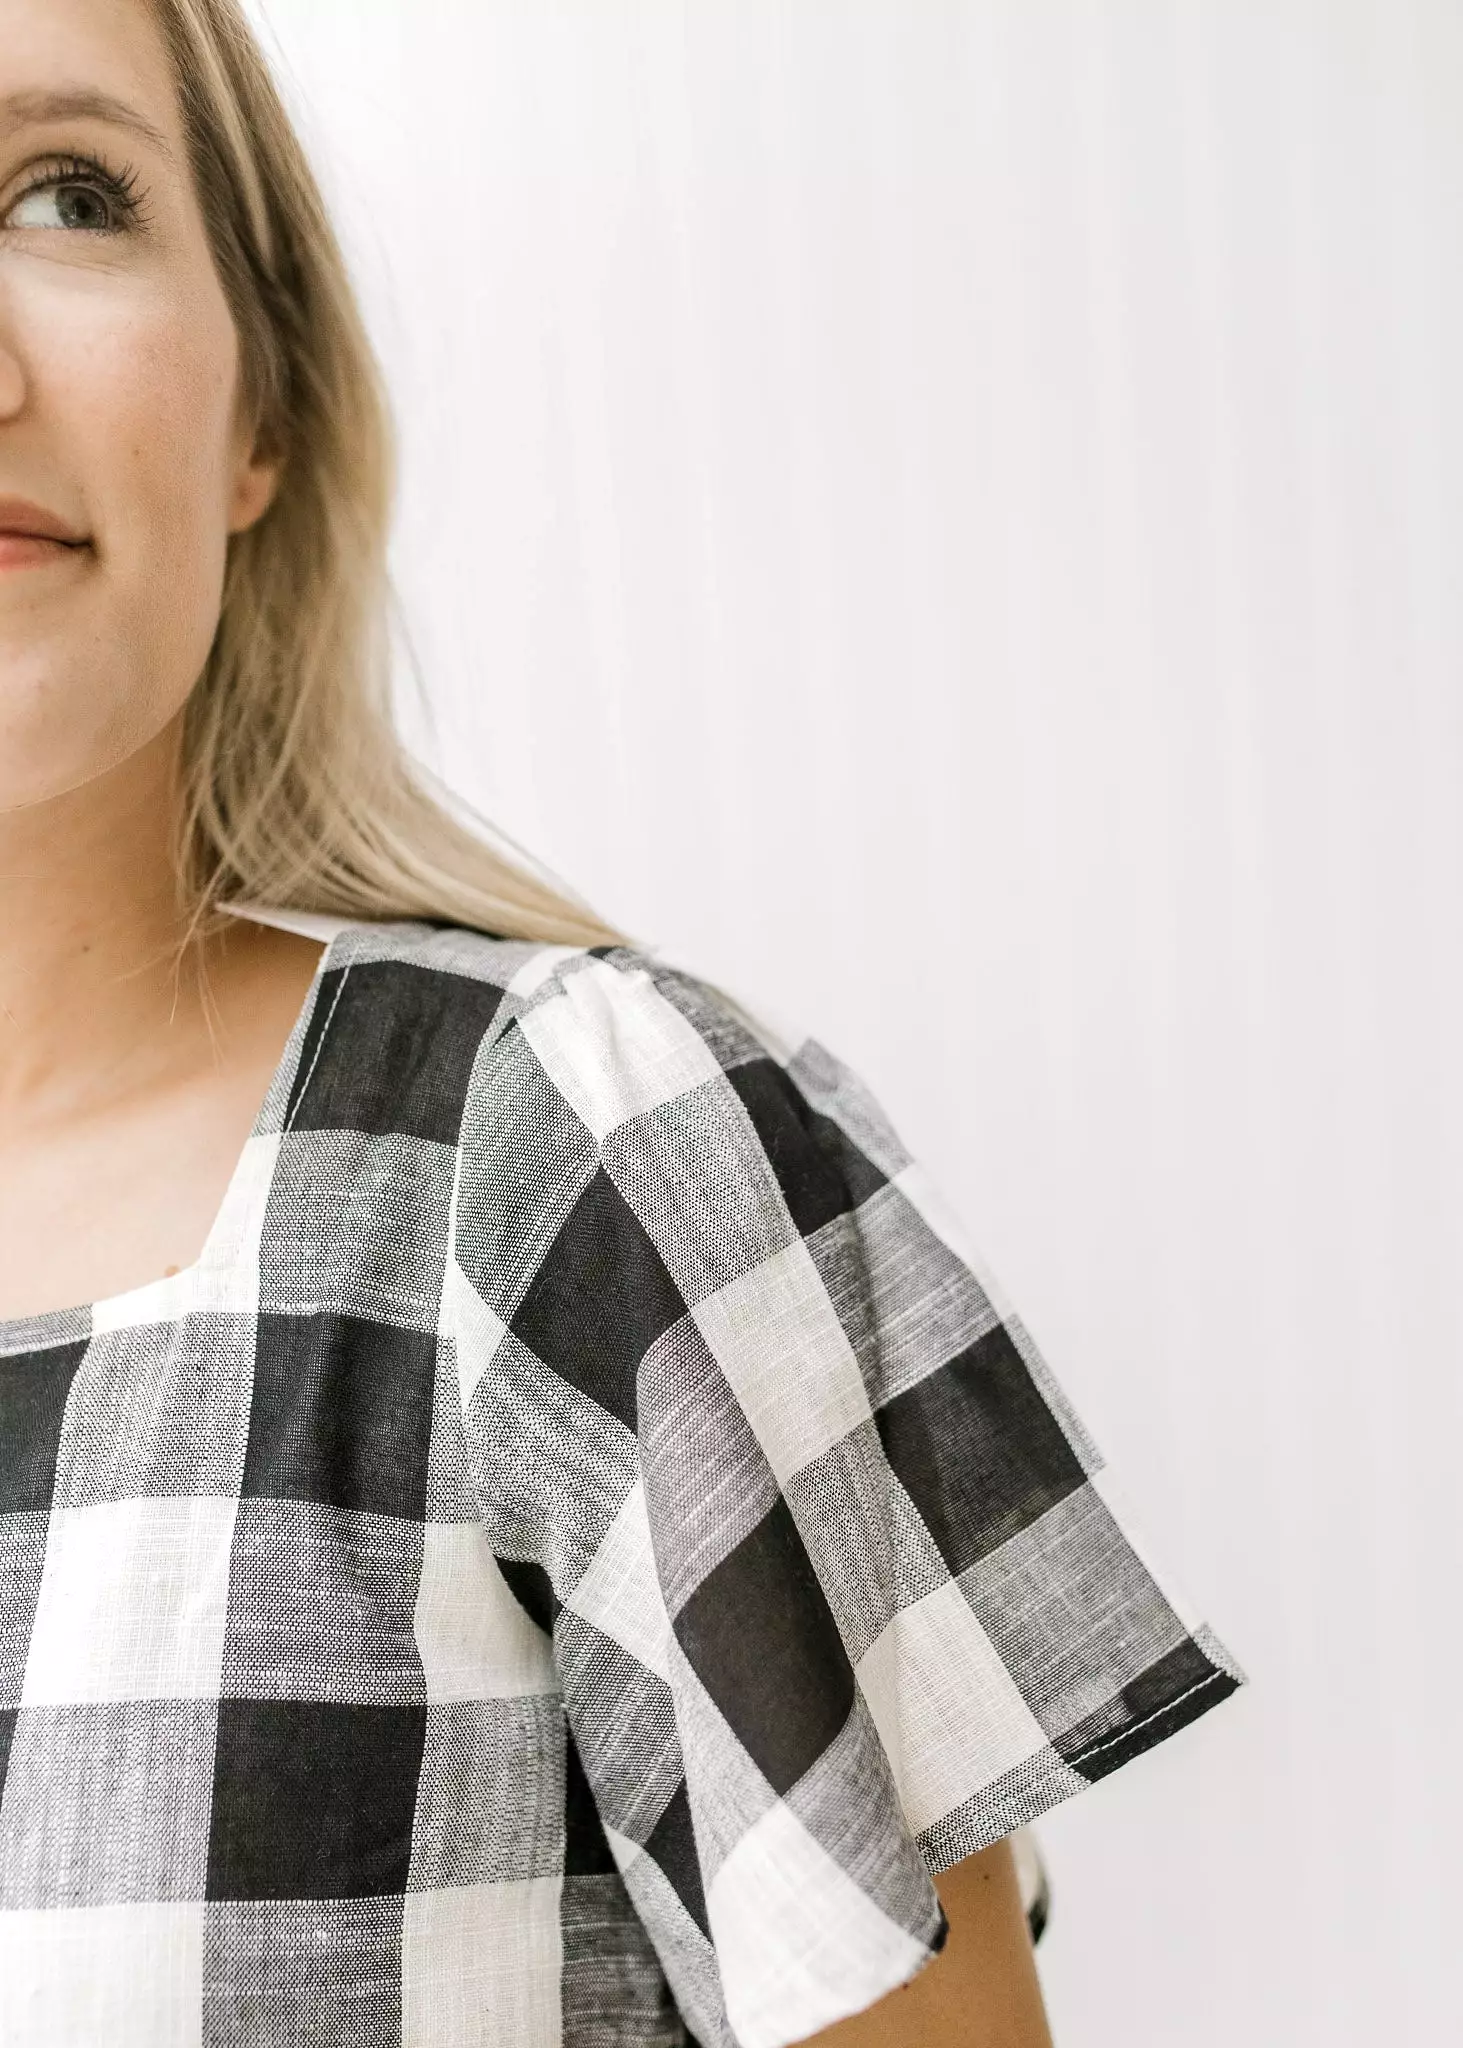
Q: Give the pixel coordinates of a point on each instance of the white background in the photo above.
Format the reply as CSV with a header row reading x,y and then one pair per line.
x,y
947,517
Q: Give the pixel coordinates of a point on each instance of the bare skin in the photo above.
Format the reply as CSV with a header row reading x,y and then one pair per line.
x,y
126,1092
124,1102
981,1990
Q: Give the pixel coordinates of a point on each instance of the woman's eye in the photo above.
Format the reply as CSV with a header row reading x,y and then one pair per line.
x,y
67,205
78,195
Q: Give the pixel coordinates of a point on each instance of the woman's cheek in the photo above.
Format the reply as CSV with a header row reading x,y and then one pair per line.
x,y
135,399
165,420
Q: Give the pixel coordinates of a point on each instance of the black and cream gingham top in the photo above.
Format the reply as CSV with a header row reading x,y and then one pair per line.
x,y
579,1548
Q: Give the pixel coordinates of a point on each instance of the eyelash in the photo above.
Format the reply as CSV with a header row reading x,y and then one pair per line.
x,y
121,188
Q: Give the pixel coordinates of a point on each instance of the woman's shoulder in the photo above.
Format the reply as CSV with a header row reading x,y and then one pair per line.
x,y
424,950
618,1016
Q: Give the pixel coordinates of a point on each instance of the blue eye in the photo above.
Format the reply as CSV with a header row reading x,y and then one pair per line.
x,y
85,196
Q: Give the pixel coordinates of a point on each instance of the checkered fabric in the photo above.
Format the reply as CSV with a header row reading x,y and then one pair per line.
x,y
578,1550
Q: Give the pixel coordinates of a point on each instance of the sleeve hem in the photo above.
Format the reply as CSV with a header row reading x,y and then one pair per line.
x,y
981,1823
1159,1722
1026,1794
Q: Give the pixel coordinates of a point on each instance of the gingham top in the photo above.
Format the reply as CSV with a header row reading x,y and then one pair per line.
x,y
577,1551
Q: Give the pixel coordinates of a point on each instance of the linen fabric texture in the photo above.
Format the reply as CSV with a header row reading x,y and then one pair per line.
x,y
577,1552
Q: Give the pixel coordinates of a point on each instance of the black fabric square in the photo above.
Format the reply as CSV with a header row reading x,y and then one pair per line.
x,y
341,1414
533,1589
7,1736
601,1297
613,1991
313,1799
977,1449
819,1169
390,1048
672,1845
860,1175
586,1845
760,1636
33,1390
1173,1691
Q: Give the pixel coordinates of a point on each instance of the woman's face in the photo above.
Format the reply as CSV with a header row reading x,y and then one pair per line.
x,y
118,382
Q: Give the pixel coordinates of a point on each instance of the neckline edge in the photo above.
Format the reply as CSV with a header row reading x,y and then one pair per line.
x,y
49,1328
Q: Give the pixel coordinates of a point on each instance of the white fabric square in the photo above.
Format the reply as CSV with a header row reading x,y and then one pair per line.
x,y
539,967
622,1848
477,1330
951,1717
157,1301
133,1602
475,1640
118,1976
621,1593
614,1047
224,1279
800,1945
480,1966
776,1335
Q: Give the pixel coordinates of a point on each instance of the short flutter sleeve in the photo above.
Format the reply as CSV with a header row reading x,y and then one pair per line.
x,y
838,1588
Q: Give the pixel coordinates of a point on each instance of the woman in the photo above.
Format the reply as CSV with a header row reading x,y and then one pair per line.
x,y
535,1532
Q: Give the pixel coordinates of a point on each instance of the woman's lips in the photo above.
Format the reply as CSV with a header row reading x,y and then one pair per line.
x,y
30,551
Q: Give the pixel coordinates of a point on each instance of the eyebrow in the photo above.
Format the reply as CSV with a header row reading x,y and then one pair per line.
x,y
82,102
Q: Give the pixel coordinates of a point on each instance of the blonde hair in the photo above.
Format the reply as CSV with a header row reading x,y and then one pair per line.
x,y
297,788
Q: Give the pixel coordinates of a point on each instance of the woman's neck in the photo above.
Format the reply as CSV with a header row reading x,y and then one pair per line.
x,y
91,993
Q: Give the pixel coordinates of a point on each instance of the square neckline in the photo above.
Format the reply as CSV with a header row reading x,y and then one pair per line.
x,y
49,1327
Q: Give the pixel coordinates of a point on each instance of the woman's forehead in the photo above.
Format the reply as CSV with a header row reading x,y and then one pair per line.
x,y
85,59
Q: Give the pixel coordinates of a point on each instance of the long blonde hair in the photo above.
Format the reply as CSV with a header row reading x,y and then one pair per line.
x,y
297,789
